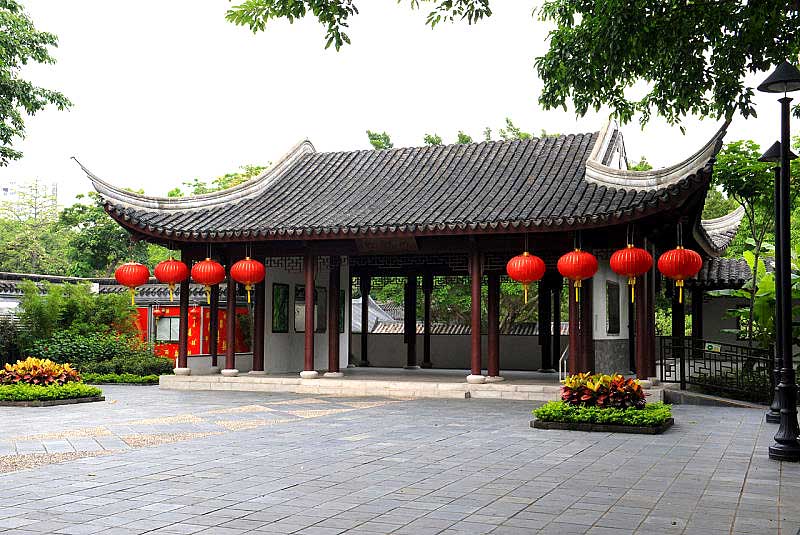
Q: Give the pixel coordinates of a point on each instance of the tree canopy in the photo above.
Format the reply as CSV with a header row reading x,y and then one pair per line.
x,y
21,44
692,57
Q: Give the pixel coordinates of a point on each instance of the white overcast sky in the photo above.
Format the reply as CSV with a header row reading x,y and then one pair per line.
x,y
165,91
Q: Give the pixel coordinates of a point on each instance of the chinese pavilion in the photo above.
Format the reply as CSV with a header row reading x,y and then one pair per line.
x,y
318,219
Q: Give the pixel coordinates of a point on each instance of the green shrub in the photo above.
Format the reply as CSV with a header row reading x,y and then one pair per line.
x,y
35,371
26,392
123,378
9,338
46,309
651,415
102,353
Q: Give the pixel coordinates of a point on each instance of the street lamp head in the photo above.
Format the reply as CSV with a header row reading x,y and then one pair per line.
x,y
773,154
784,79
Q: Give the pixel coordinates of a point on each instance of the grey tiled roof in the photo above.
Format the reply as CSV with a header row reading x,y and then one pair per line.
x,y
491,186
722,273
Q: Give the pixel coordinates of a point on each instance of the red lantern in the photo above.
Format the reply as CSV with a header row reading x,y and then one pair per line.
x,y
680,264
577,266
525,268
171,272
208,273
248,272
132,274
631,262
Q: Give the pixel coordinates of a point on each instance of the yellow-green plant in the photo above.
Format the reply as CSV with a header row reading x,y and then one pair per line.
x,y
602,390
38,372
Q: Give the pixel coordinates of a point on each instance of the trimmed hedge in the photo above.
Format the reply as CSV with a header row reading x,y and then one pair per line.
x,y
652,414
26,392
121,378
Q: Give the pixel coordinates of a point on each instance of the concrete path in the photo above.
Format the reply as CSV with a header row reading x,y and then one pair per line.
x,y
237,462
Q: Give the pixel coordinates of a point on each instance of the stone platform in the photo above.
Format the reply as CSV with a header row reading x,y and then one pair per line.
x,y
390,383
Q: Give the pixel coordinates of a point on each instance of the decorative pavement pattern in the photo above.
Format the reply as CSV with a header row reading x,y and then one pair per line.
x,y
177,462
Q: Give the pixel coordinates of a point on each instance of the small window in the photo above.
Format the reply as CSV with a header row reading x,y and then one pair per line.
x,y
168,329
320,309
612,308
280,308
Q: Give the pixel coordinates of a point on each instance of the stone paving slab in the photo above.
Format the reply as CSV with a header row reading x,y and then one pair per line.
x,y
366,465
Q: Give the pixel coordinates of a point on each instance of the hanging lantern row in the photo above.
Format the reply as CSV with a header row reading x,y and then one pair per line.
x,y
207,272
577,266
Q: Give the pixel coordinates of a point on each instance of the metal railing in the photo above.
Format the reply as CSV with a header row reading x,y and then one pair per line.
x,y
562,364
738,371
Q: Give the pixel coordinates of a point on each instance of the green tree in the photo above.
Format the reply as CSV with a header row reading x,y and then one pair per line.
x,y
379,141
432,139
462,138
20,45
718,205
692,57
199,186
512,132
641,165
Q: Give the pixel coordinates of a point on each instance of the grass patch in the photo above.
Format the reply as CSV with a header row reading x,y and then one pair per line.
x,y
119,378
652,415
26,392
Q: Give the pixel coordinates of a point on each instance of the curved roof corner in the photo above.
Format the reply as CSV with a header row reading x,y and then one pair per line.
x,y
598,170
255,185
715,235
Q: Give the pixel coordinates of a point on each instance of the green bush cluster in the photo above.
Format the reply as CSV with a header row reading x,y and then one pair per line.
x,y
26,392
651,415
122,378
102,353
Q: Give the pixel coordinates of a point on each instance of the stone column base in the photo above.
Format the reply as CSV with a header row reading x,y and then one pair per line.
x,y
309,374
410,367
333,374
476,379
427,365
230,372
546,370
182,371
256,372
213,370
495,378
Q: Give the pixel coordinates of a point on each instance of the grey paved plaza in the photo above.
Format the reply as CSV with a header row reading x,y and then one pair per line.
x,y
152,461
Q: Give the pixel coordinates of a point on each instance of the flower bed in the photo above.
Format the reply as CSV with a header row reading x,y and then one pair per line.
x,y
607,403
119,378
38,382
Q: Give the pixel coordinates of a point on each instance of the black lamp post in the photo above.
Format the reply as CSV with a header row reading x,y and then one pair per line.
x,y
784,79
773,155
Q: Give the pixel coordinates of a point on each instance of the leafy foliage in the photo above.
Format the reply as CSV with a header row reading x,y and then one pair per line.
x,y
26,392
119,378
601,390
641,165
432,139
228,180
35,371
20,45
102,353
61,307
462,138
379,141
650,415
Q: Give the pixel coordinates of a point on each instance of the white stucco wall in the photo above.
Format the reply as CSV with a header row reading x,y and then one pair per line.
x,y
604,274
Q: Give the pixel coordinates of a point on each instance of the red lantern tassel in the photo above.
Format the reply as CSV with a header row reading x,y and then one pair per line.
x,y
525,291
133,296
632,283
679,284
578,291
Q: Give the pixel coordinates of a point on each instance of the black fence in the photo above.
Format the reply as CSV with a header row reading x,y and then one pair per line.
x,y
736,371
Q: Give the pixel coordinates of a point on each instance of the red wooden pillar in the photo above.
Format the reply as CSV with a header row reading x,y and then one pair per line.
x,y
574,364
493,313
427,289
213,326
309,264
230,327
334,276
410,326
475,375
587,332
259,318
642,329
182,365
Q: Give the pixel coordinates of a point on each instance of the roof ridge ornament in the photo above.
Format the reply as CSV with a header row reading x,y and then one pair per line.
x,y
603,175
249,188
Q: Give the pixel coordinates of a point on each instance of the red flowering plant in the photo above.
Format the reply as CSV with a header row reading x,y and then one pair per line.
x,y
35,371
600,390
